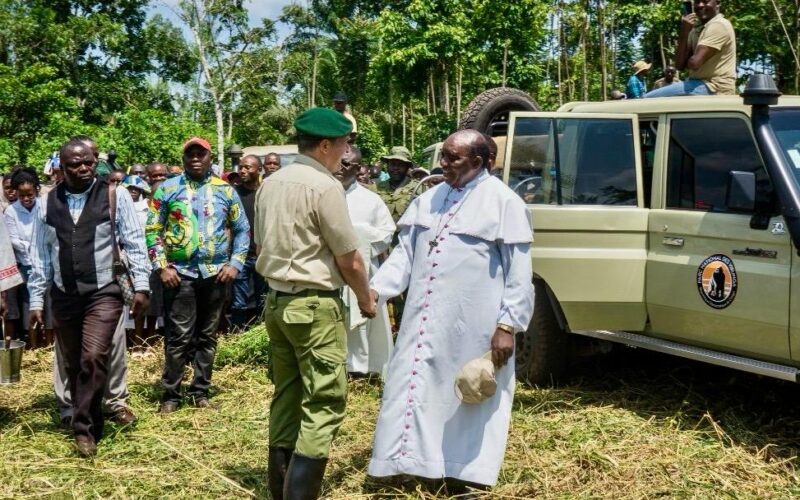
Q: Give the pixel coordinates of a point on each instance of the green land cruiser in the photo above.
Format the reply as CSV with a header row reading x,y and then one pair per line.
x,y
667,224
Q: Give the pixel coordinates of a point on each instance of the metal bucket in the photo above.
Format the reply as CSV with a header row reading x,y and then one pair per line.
x,y
11,361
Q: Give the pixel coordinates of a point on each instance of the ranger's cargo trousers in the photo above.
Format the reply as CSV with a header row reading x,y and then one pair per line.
x,y
309,351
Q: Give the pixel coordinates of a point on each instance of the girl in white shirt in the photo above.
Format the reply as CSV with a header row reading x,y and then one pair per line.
x,y
19,221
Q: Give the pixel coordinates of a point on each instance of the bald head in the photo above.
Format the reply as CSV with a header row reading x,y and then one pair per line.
x,y
477,142
464,155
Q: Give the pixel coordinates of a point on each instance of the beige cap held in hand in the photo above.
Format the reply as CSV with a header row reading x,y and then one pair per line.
x,y
475,381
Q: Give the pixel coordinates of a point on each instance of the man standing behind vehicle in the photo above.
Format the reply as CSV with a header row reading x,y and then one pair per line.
x,y
272,163
637,86
708,50
340,105
241,291
189,246
398,189
308,250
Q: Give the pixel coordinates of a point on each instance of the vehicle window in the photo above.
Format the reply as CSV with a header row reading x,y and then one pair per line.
x,y
647,143
427,158
786,124
702,153
574,161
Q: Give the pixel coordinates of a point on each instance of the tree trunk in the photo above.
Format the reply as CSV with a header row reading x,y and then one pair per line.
x,y
662,51
797,45
391,113
459,84
585,49
220,117
411,123
433,90
404,125
230,126
446,90
613,57
601,23
505,62
314,79
560,43
215,92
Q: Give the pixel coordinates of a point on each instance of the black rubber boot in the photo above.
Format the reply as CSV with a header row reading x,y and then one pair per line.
x,y
304,478
276,470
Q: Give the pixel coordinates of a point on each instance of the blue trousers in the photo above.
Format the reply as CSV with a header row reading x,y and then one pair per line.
x,y
686,87
247,291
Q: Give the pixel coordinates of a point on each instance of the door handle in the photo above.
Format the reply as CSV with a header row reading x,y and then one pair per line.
x,y
672,242
757,252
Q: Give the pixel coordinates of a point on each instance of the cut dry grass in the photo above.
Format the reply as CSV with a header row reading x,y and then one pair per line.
x,y
628,425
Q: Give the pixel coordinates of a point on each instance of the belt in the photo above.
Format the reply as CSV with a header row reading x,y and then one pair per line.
x,y
309,293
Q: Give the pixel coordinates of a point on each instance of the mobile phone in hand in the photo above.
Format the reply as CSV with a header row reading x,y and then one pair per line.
x,y
686,8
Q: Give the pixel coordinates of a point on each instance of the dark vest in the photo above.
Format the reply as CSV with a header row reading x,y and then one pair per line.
x,y
85,247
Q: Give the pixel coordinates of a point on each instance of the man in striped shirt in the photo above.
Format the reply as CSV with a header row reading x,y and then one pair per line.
x,y
72,247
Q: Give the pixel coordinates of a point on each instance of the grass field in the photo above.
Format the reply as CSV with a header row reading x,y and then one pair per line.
x,y
630,424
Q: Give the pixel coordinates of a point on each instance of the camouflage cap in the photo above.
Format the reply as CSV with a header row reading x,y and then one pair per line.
x,y
399,153
323,122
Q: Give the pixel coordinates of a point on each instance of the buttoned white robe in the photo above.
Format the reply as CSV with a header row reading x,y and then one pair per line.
x,y
369,342
478,274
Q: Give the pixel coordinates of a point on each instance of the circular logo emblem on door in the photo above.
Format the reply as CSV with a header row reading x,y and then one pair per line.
x,y
716,281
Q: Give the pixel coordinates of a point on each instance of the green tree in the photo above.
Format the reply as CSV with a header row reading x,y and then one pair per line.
x,y
224,44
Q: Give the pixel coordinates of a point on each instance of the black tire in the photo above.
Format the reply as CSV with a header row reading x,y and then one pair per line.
x,y
494,105
542,351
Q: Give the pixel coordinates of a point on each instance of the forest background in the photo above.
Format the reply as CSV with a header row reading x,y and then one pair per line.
x,y
141,84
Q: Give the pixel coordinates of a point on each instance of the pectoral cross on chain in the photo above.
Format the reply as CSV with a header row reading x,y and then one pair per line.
x,y
432,244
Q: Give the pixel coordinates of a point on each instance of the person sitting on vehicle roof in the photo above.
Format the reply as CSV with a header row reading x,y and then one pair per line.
x,y
668,77
708,50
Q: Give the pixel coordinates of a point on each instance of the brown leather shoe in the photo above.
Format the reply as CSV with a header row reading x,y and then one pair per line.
x,y
124,416
168,407
85,446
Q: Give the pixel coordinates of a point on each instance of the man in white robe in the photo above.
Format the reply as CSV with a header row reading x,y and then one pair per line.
x,y
369,342
464,257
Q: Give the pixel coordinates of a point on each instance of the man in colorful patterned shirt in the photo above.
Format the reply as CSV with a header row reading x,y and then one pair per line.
x,y
188,246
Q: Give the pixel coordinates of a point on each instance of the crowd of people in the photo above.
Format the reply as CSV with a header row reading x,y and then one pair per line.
x,y
98,263
354,269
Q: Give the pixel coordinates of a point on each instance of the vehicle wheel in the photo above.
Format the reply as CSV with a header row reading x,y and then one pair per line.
x,y
542,351
493,106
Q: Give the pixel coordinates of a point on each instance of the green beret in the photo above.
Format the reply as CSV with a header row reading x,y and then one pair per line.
x,y
323,122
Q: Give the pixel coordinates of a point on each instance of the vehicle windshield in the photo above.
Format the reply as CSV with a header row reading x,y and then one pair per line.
x,y
427,159
786,124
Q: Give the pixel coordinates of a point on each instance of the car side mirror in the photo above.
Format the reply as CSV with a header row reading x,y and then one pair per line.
x,y
741,191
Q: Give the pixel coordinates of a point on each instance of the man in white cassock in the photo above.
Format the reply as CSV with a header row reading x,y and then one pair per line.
x,y
464,257
369,342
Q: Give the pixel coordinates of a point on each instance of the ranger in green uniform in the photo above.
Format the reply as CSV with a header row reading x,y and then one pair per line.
x,y
307,251
397,190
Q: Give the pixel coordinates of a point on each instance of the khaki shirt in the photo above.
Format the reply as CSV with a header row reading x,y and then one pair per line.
x,y
301,224
719,72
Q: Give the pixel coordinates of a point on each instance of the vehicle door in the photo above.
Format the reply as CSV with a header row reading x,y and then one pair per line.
x,y
581,176
712,279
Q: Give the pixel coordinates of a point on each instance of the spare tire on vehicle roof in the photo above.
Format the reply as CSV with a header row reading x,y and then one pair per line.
x,y
494,105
